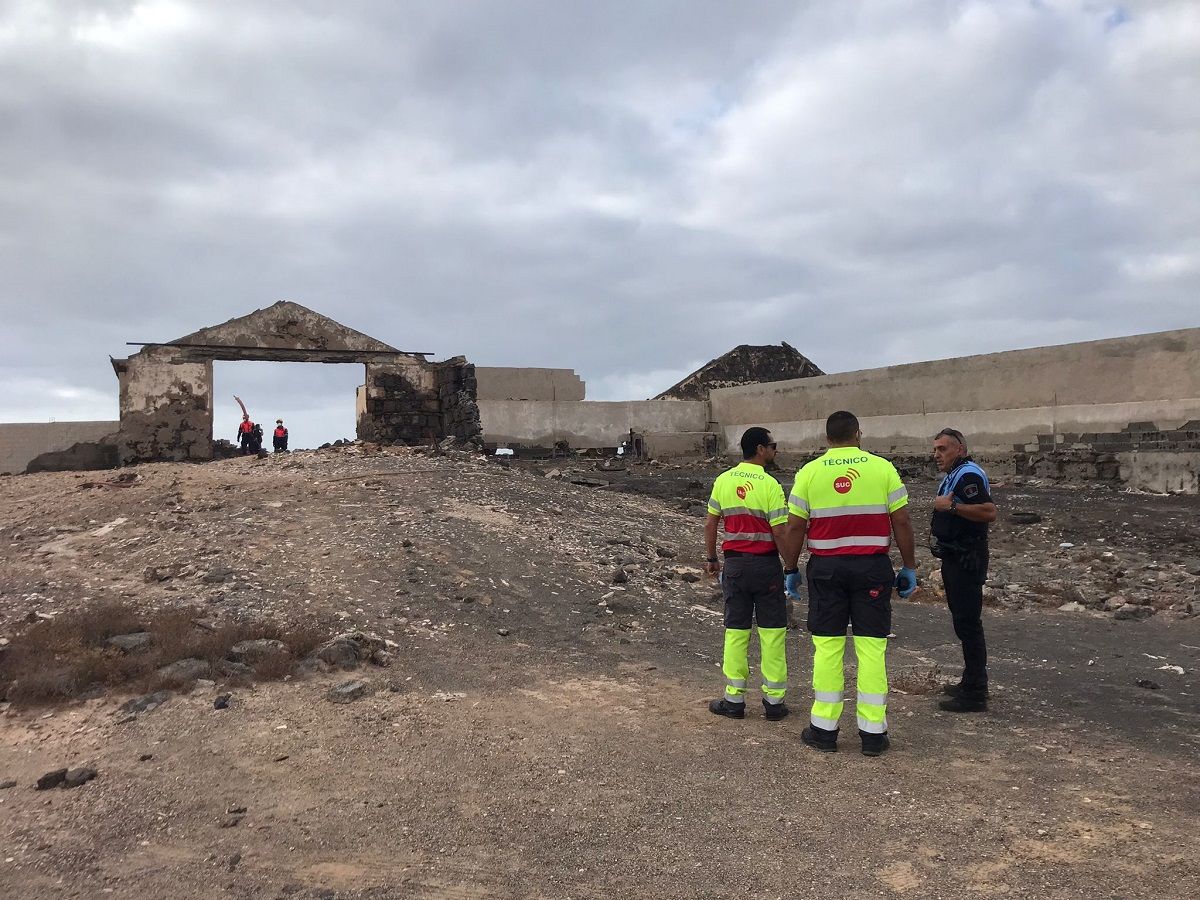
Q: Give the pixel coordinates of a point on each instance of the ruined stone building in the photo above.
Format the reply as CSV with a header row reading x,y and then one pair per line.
x,y
1134,402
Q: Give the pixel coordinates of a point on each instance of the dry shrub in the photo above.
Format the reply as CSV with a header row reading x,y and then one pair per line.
x,y
275,665
60,659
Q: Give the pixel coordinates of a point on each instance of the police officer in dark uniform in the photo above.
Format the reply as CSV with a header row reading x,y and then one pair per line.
x,y
959,531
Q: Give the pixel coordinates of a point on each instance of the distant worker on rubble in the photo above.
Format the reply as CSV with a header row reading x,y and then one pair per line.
x,y
246,434
959,538
753,508
280,437
848,504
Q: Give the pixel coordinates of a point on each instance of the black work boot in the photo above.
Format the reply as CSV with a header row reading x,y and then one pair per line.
x,y
820,739
723,707
874,744
952,690
773,712
965,703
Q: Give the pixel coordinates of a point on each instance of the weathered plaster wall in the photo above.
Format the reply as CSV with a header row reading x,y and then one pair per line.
x,y
681,444
587,423
402,404
22,442
1161,471
998,399
528,384
996,430
166,407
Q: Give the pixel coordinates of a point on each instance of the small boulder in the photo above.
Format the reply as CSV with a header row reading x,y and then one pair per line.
x,y
218,575
348,691
250,652
619,576
5,785
227,668
51,779
1129,611
131,643
1024,518
185,670
347,650
76,777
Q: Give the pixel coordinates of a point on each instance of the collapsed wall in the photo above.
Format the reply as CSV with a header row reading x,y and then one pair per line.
x,y
744,364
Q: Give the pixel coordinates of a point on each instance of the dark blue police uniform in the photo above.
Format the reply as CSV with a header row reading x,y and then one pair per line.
x,y
962,547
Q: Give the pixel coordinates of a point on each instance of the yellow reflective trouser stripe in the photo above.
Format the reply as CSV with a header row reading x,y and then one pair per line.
x,y
872,684
828,681
735,664
771,642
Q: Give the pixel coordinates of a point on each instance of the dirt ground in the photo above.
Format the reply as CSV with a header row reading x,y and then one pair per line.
x,y
543,731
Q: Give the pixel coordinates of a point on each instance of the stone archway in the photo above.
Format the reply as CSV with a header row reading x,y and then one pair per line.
x,y
166,389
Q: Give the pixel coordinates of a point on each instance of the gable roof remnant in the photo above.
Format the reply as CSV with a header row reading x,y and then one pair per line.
x,y
285,326
744,364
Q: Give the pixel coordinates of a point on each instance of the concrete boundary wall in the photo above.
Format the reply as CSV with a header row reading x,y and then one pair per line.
x,y
587,423
21,442
998,399
1145,368
499,383
986,430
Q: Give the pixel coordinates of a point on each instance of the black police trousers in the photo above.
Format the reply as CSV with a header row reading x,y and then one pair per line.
x,y
964,580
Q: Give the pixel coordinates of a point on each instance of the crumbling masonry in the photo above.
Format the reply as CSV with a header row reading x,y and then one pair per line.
x,y
166,401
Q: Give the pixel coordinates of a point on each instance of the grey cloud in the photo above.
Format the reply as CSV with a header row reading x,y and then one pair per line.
x,y
625,188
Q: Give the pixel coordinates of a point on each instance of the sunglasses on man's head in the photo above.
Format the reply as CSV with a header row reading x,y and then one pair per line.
x,y
952,432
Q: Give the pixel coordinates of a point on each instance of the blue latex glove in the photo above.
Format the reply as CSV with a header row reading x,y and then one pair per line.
x,y
906,582
791,585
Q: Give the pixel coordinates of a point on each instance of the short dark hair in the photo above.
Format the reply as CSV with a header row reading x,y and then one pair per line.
x,y
842,426
752,439
951,432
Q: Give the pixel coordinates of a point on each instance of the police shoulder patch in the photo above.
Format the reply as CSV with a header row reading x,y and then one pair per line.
x,y
971,491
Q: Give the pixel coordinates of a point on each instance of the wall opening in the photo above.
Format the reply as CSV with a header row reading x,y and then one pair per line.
x,y
315,400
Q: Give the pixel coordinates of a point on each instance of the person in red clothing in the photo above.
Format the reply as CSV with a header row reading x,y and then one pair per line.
x,y
246,434
280,437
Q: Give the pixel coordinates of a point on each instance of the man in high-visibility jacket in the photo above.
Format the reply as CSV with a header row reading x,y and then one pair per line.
x,y
849,504
753,508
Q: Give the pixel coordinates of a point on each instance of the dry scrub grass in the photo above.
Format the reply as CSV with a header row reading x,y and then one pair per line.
x,y
63,658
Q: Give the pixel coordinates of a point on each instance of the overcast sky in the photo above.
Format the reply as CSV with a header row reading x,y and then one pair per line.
x,y
626,188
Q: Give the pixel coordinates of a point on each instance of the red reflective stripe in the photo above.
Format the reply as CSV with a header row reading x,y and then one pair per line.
x,y
745,524
869,525
850,551
763,547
